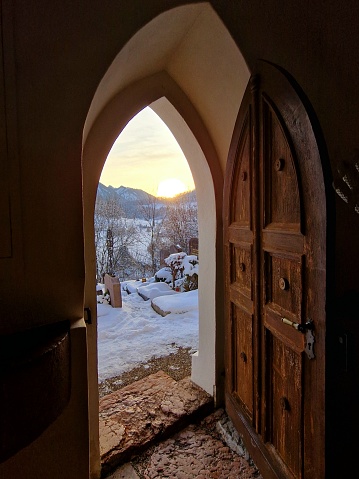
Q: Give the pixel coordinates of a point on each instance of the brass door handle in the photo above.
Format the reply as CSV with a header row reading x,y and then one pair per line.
x,y
307,330
294,325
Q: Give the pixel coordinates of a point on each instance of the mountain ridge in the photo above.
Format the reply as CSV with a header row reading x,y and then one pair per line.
x,y
136,193
132,197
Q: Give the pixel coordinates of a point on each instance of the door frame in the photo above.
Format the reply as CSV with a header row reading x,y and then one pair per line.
x,y
286,93
108,125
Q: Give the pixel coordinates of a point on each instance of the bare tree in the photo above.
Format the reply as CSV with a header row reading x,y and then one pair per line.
x,y
153,214
131,247
181,223
114,233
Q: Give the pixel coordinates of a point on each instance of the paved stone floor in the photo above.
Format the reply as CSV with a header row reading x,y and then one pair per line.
x,y
159,428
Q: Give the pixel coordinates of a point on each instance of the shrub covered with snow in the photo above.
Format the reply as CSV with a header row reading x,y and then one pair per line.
x,y
104,298
191,270
175,264
181,271
163,275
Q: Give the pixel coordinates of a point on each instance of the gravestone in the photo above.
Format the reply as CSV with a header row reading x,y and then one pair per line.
x,y
113,286
193,246
164,253
175,248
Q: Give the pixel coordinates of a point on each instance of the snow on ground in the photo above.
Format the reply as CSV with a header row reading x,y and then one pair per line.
x,y
134,333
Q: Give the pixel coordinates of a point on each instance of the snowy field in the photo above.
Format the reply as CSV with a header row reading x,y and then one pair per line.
x,y
135,333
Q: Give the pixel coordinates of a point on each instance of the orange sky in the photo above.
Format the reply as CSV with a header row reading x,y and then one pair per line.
x,y
145,154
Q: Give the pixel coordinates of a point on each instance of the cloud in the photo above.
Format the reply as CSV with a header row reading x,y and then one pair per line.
x,y
144,154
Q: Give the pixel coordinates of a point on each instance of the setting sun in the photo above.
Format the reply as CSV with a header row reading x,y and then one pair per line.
x,y
170,188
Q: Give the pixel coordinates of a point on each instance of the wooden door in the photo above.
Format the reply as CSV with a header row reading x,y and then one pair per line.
x,y
275,225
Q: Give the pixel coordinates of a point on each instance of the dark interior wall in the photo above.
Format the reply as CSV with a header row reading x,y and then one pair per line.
x,y
55,55
316,42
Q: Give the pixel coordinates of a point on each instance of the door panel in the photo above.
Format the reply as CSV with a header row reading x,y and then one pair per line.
x,y
282,203
241,288
283,289
243,369
286,418
284,284
242,199
242,267
273,218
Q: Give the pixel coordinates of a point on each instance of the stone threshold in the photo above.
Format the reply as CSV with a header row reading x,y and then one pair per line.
x,y
146,412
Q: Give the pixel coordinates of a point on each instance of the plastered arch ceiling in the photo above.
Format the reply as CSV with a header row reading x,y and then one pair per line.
x,y
193,46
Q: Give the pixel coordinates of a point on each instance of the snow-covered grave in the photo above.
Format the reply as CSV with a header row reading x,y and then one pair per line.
x,y
181,304
135,333
153,290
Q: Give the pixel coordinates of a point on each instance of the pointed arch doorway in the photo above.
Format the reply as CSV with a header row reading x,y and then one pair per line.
x,y
161,93
186,56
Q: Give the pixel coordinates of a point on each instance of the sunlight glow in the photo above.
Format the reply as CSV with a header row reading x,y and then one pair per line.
x,y
171,187
145,154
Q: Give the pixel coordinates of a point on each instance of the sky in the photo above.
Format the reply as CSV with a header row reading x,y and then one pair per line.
x,y
144,155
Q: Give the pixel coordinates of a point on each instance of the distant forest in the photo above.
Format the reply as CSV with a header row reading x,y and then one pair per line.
x,y
132,227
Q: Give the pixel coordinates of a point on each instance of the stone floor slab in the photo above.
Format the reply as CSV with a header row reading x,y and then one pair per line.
x,y
197,452
143,412
124,472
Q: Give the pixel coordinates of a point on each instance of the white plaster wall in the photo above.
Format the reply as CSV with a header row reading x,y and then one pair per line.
x,y
203,364
212,72
146,53
192,44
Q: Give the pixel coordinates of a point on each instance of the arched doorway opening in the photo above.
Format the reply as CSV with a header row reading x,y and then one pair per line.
x,y
95,152
187,67
145,224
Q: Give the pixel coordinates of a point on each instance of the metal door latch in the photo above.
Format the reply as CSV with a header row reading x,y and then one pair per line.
x,y
88,317
306,329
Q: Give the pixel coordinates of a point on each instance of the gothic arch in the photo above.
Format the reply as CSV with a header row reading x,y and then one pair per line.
x,y
185,65
164,95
